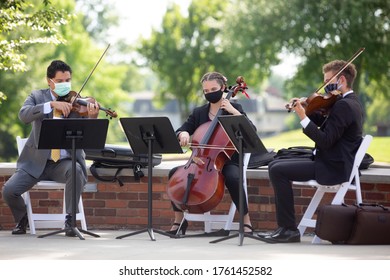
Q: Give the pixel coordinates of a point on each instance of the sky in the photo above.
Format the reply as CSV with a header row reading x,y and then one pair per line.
x,y
138,17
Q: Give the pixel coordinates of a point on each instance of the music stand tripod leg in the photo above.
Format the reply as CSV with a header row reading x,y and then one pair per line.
x,y
241,234
149,229
74,228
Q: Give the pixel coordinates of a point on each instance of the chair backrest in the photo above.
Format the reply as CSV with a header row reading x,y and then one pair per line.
x,y
359,156
20,142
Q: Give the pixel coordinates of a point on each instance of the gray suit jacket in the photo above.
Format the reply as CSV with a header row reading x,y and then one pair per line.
x,y
33,160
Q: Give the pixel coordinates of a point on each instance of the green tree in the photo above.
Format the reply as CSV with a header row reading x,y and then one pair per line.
x,y
318,31
22,24
82,54
185,48
99,17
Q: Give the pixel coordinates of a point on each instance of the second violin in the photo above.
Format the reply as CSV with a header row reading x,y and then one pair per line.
x,y
323,102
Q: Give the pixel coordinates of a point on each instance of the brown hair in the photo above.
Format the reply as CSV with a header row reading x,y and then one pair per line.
x,y
349,72
214,76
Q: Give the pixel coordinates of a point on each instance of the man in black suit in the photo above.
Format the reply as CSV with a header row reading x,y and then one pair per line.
x,y
337,135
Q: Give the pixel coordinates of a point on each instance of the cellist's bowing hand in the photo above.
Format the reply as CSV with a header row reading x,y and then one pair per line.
x,y
227,106
184,138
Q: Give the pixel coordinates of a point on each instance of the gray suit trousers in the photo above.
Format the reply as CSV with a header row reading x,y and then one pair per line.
x,y
21,182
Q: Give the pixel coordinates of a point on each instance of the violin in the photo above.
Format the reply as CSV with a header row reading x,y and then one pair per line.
x,y
199,185
317,102
79,104
323,102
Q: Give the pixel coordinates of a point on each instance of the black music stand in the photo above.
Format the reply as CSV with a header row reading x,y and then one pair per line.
x,y
245,139
150,135
73,134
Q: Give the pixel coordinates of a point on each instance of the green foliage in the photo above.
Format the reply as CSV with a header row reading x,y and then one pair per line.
x,y
23,24
379,147
81,54
185,48
100,16
318,32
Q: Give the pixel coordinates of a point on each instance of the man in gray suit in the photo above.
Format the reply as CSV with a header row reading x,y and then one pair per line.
x,y
36,164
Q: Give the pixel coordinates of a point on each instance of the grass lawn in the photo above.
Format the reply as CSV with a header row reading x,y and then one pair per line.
x,y
379,148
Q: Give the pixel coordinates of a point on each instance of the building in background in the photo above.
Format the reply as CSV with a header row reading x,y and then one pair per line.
x,y
266,111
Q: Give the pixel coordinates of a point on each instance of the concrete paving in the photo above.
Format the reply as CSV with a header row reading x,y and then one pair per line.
x,y
141,247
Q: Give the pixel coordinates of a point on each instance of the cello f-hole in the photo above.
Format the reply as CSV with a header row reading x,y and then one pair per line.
x,y
208,167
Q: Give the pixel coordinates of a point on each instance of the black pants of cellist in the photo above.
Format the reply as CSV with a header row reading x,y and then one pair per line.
x,y
281,173
231,173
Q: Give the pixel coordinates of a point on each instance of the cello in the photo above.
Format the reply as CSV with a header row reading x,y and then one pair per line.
x,y
199,185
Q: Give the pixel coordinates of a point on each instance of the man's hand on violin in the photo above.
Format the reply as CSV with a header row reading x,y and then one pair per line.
x,y
298,108
61,106
93,110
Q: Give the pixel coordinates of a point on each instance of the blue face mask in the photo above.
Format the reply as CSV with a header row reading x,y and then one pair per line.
x,y
61,89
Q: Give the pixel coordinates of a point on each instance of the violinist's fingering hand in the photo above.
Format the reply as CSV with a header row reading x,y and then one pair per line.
x,y
299,110
93,110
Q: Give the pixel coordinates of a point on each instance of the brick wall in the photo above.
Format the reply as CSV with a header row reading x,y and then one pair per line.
x,y
115,207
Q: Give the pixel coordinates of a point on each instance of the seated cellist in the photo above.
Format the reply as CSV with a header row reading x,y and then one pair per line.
x,y
214,85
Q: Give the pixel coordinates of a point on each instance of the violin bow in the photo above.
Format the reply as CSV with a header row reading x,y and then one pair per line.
x,y
342,68
93,69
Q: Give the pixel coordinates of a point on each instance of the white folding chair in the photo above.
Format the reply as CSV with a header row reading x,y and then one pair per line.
x,y
218,221
39,220
340,190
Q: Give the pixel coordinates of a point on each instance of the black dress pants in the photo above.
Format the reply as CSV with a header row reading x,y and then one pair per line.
x,y
282,172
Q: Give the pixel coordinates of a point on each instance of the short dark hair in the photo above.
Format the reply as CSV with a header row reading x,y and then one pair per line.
x,y
55,66
349,73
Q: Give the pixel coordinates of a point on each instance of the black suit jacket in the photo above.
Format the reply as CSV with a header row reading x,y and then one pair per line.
x,y
337,141
200,115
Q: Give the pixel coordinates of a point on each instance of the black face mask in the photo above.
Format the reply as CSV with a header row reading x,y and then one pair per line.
x,y
214,97
332,87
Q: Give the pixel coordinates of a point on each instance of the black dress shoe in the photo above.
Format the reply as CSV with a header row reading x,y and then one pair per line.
x,y
68,227
265,234
282,235
21,227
